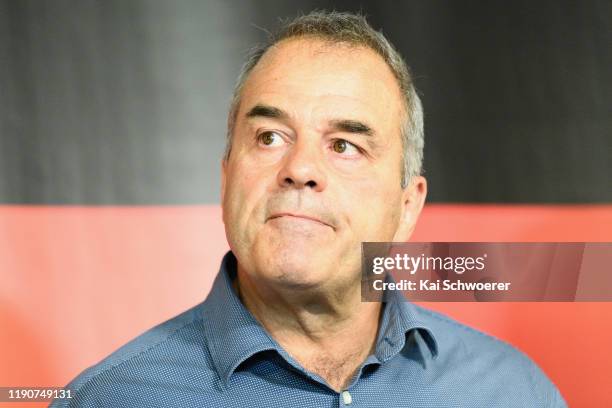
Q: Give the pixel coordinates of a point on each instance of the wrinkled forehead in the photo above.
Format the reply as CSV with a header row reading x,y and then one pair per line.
x,y
312,78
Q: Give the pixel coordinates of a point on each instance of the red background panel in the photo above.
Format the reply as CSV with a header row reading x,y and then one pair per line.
x,y
78,282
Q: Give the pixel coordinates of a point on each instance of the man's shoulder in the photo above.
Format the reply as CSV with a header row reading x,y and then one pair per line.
x,y
178,338
452,333
481,356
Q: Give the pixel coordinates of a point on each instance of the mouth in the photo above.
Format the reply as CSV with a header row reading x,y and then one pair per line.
x,y
302,216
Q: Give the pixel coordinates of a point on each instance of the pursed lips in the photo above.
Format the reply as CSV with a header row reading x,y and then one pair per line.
x,y
303,216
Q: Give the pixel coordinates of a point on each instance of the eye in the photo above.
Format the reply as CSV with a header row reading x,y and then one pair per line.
x,y
345,148
270,138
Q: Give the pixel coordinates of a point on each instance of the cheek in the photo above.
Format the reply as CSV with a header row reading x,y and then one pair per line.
x,y
237,198
244,197
373,209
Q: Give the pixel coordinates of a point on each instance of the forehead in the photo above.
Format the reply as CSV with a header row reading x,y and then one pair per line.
x,y
312,78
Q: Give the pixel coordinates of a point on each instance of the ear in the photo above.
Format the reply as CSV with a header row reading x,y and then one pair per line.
x,y
413,199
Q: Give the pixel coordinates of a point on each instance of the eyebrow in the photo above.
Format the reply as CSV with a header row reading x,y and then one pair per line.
x,y
352,126
341,125
266,111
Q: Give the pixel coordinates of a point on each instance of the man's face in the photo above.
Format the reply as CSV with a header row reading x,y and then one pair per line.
x,y
315,167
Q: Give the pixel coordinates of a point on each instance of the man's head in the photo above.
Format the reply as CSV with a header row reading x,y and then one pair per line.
x,y
349,29
325,138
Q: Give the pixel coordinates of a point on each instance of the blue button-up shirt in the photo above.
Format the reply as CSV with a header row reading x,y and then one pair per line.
x,y
217,355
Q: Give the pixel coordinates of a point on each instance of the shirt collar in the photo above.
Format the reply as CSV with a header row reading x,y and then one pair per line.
x,y
402,319
234,334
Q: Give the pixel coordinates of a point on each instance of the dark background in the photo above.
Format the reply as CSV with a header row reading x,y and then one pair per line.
x,y
124,102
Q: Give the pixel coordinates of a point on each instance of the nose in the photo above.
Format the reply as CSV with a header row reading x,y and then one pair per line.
x,y
302,167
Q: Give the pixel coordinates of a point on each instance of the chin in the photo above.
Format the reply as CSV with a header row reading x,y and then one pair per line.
x,y
293,260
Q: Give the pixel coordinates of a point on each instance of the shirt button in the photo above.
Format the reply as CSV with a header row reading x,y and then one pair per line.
x,y
347,398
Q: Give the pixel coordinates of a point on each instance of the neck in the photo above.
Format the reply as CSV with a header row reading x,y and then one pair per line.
x,y
330,334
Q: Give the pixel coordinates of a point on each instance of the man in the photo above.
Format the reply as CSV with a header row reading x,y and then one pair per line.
x,y
325,139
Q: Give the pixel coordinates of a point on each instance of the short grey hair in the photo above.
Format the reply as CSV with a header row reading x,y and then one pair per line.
x,y
352,29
